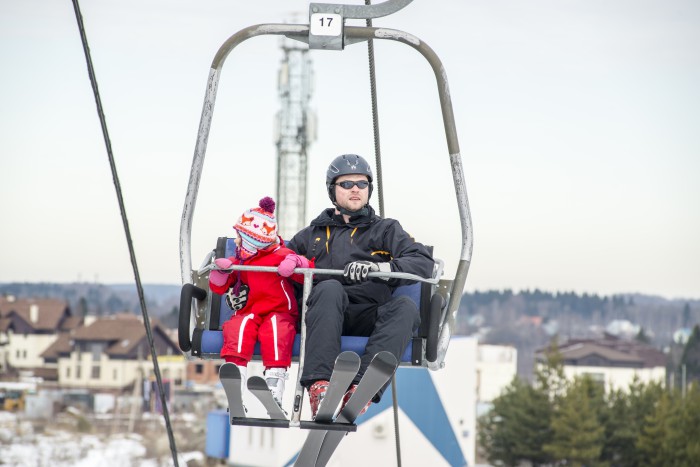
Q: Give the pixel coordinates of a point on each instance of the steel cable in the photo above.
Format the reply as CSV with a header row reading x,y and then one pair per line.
x,y
380,196
127,231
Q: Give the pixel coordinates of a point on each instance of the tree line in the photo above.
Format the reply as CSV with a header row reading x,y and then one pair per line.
x,y
575,314
558,422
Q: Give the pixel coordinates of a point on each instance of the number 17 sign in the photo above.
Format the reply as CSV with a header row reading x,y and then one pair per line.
x,y
325,24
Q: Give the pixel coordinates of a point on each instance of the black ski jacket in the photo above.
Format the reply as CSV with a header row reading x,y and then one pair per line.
x,y
332,243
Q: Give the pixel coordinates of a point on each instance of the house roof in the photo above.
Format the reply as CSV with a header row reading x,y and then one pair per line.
x,y
47,374
578,351
71,322
121,332
61,346
49,313
616,350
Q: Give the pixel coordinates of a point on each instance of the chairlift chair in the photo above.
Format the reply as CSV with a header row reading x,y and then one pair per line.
x,y
202,312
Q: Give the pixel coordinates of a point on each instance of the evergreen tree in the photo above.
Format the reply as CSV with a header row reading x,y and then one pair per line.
x,y
691,356
619,434
652,443
674,441
624,420
83,307
517,427
642,337
493,428
692,424
682,442
577,432
549,375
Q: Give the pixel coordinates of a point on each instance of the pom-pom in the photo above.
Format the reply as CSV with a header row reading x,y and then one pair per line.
x,y
268,204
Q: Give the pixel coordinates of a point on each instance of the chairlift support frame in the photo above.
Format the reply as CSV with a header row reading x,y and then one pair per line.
x,y
450,290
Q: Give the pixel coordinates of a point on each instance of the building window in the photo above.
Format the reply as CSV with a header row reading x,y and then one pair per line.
x,y
96,350
114,374
24,353
67,372
95,372
77,372
18,354
199,368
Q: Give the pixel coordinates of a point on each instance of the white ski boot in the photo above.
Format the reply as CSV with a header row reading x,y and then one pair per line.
x,y
275,378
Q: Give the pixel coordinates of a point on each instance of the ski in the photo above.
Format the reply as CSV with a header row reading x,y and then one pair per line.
x,y
258,387
378,372
230,377
344,371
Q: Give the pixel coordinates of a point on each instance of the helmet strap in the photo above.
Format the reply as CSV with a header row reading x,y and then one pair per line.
x,y
363,211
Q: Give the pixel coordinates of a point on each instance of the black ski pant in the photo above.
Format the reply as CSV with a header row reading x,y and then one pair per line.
x,y
330,315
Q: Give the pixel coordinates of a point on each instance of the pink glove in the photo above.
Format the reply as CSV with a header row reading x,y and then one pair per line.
x,y
290,262
219,278
223,263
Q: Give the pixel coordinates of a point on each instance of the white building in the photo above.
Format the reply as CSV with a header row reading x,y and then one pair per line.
x,y
496,366
613,362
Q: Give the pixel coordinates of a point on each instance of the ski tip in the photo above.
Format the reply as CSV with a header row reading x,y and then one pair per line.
x,y
256,382
348,355
386,358
229,370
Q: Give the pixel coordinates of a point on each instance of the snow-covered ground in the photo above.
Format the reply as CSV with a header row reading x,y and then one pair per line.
x,y
20,447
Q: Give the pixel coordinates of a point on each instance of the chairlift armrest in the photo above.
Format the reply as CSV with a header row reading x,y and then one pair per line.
x,y
206,265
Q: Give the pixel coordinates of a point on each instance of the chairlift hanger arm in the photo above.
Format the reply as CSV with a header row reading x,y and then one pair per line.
x,y
327,21
360,11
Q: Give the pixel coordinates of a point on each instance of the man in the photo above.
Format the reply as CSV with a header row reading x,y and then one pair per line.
x,y
351,237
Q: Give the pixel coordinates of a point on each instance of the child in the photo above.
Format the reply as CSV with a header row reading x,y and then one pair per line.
x,y
270,312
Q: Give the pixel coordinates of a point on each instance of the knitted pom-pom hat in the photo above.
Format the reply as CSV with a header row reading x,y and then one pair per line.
x,y
257,228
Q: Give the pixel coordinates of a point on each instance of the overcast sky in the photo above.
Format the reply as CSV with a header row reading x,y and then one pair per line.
x,y
579,127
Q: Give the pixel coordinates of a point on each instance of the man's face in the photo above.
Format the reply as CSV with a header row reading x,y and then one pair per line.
x,y
353,198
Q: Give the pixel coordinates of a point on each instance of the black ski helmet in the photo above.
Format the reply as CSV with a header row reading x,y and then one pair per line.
x,y
347,164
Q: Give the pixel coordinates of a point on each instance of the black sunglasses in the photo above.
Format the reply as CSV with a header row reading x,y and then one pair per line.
x,y
348,184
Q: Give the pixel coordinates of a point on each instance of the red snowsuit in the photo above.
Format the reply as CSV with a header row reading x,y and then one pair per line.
x,y
270,314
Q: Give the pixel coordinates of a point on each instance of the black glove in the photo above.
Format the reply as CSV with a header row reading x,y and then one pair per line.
x,y
237,301
357,270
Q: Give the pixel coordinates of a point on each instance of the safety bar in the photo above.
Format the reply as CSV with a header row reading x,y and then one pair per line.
x,y
334,272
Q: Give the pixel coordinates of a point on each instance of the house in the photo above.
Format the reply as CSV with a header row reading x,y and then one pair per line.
x,y
113,353
27,328
611,361
205,372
